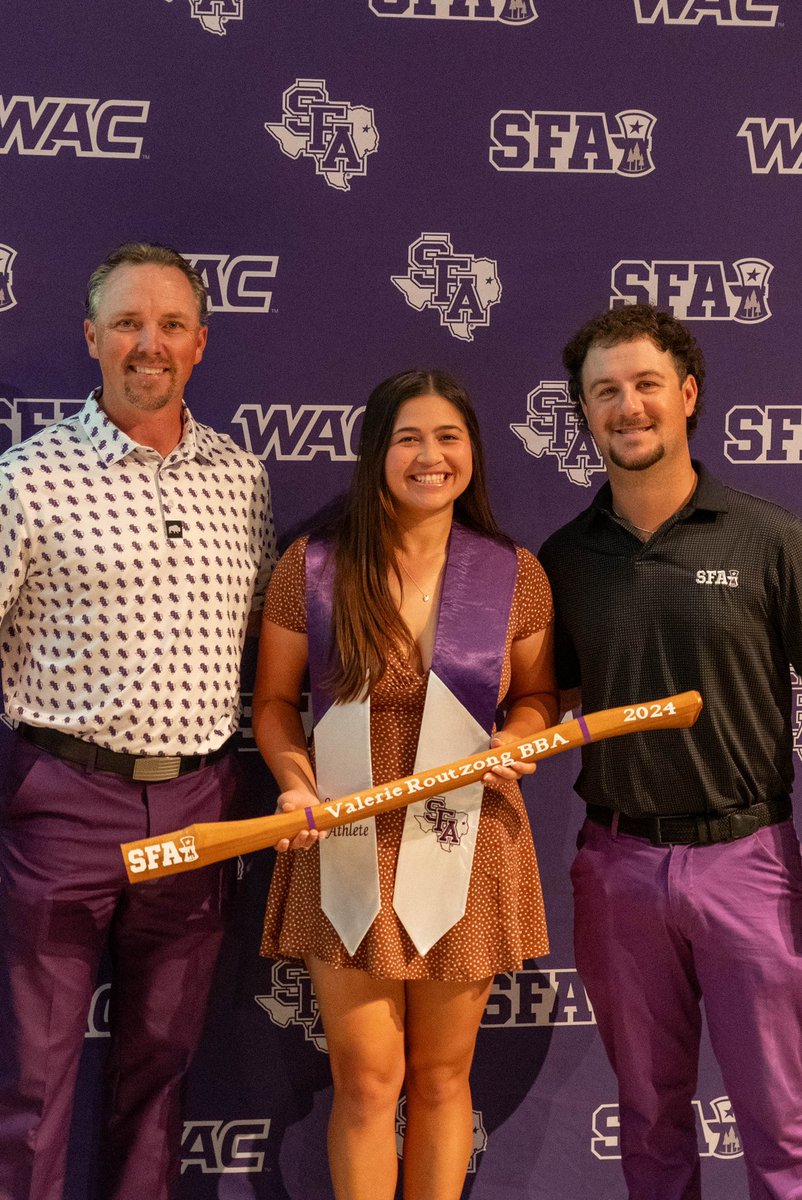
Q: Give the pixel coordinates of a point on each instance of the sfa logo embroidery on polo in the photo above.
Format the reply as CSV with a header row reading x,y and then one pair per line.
x,y
770,433
237,283
225,1147
448,825
691,12
715,577
7,297
291,1002
88,128
510,12
214,15
696,291
717,1134
300,434
773,147
586,142
547,998
337,135
552,428
460,287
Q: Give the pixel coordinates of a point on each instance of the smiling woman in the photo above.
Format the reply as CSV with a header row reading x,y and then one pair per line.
x,y
416,617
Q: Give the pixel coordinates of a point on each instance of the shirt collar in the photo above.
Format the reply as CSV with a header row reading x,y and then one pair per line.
x,y
112,445
709,495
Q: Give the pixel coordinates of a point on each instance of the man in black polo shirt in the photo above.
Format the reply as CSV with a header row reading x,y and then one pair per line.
x,y
688,879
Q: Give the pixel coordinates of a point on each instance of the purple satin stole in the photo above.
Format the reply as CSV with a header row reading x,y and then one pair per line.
x,y
475,601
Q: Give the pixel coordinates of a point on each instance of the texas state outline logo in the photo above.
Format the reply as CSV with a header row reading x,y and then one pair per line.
x,y
552,428
508,12
337,135
7,297
214,15
460,287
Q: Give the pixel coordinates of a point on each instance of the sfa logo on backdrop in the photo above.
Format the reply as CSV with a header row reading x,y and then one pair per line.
x,y
214,15
460,287
552,428
696,291
89,128
337,135
236,283
553,998
7,297
510,12
589,142
770,434
796,719
479,1138
691,12
775,147
716,1133
21,418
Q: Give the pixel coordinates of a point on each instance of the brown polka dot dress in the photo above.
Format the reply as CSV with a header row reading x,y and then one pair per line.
x,y
504,920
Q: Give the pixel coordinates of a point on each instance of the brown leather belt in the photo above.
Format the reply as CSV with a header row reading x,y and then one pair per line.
x,y
691,829
143,768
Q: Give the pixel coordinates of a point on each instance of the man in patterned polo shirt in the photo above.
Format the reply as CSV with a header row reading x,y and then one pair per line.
x,y
688,880
135,544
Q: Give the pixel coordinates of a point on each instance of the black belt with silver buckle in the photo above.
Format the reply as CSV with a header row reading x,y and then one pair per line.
x,y
143,768
702,829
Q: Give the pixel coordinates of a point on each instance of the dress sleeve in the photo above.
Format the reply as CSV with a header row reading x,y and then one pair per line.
x,y
532,608
285,604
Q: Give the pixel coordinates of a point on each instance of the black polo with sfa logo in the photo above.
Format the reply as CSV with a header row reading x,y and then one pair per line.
x,y
711,601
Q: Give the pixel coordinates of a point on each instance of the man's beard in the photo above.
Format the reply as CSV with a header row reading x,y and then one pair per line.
x,y
631,463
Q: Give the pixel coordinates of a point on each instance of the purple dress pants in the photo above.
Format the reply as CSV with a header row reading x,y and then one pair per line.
x,y
657,930
63,897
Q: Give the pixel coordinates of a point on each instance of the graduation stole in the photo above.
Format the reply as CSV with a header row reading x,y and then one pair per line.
x,y
436,856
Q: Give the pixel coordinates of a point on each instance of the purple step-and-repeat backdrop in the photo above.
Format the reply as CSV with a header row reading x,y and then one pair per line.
x,y
369,185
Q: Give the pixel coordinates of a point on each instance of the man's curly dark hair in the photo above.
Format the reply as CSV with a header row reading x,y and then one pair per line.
x,y
627,324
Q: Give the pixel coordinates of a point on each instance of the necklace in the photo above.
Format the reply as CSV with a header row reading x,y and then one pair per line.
x,y
425,596
631,524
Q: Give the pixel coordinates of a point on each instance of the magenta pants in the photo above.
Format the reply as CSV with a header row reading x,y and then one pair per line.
x,y
63,897
659,928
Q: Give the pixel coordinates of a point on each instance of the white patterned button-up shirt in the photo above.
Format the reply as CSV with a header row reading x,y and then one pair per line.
x,y
126,581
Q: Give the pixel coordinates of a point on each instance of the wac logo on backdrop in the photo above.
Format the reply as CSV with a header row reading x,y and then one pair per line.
x,y
236,284
587,142
88,128
716,1133
461,288
300,434
552,428
770,433
691,12
510,12
696,291
225,1147
776,147
7,297
337,135
214,15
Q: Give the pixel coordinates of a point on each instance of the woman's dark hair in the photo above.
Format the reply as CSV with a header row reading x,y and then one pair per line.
x,y
365,620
